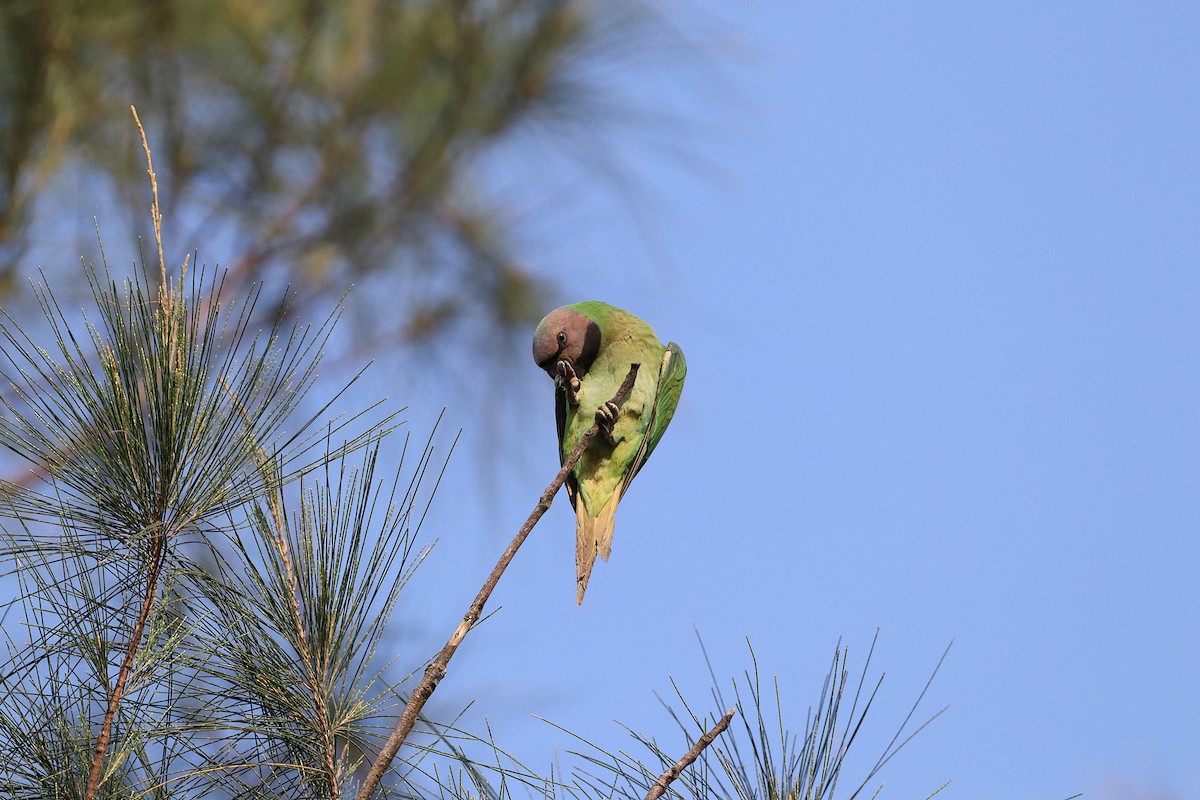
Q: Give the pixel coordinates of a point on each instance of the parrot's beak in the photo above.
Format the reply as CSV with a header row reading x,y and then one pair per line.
x,y
545,349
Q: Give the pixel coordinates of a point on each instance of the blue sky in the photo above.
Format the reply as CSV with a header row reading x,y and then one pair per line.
x,y
936,275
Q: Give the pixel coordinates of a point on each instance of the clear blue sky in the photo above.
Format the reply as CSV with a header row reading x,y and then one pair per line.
x,y
938,281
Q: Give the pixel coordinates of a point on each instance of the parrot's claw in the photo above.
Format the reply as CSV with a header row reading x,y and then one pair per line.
x,y
568,381
606,417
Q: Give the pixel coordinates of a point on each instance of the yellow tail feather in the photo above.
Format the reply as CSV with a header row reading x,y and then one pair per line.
x,y
593,536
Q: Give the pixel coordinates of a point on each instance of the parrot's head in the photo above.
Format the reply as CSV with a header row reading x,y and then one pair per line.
x,y
566,335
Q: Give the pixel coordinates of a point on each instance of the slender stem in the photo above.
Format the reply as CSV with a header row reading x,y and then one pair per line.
x,y
158,548
328,747
155,214
320,707
668,777
437,670
159,536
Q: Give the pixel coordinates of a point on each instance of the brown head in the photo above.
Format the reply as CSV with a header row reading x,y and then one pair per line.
x,y
566,335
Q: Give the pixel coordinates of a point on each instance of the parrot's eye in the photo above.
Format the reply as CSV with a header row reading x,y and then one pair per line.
x,y
562,337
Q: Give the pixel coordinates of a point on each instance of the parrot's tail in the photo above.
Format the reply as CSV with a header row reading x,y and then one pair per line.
x,y
593,536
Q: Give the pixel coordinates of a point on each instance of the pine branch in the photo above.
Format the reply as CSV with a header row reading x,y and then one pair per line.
x,y
158,550
158,533
668,777
437,670
328,749
279,519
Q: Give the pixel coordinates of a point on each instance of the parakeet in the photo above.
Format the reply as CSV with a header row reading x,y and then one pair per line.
x,y
587,348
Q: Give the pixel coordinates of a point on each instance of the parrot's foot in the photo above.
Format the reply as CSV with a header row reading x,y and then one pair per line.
x,y
606,417
569,382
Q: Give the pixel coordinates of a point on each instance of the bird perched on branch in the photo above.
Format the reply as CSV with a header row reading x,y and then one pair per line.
x,y
588,349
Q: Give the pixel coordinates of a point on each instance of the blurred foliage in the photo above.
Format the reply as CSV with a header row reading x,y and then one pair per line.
x,y
319,143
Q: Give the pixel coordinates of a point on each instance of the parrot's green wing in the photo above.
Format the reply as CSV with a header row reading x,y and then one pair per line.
x,y
666,398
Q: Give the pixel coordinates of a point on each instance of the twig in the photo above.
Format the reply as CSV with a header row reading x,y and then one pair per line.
x,y
437,670
320,707
158,542
155,214
157,553
668,777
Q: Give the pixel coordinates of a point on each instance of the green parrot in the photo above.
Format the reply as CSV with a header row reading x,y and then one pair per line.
x,y
588,348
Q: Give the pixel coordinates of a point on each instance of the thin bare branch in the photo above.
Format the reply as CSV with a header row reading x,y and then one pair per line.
x,y
668,777
437,670
158,549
